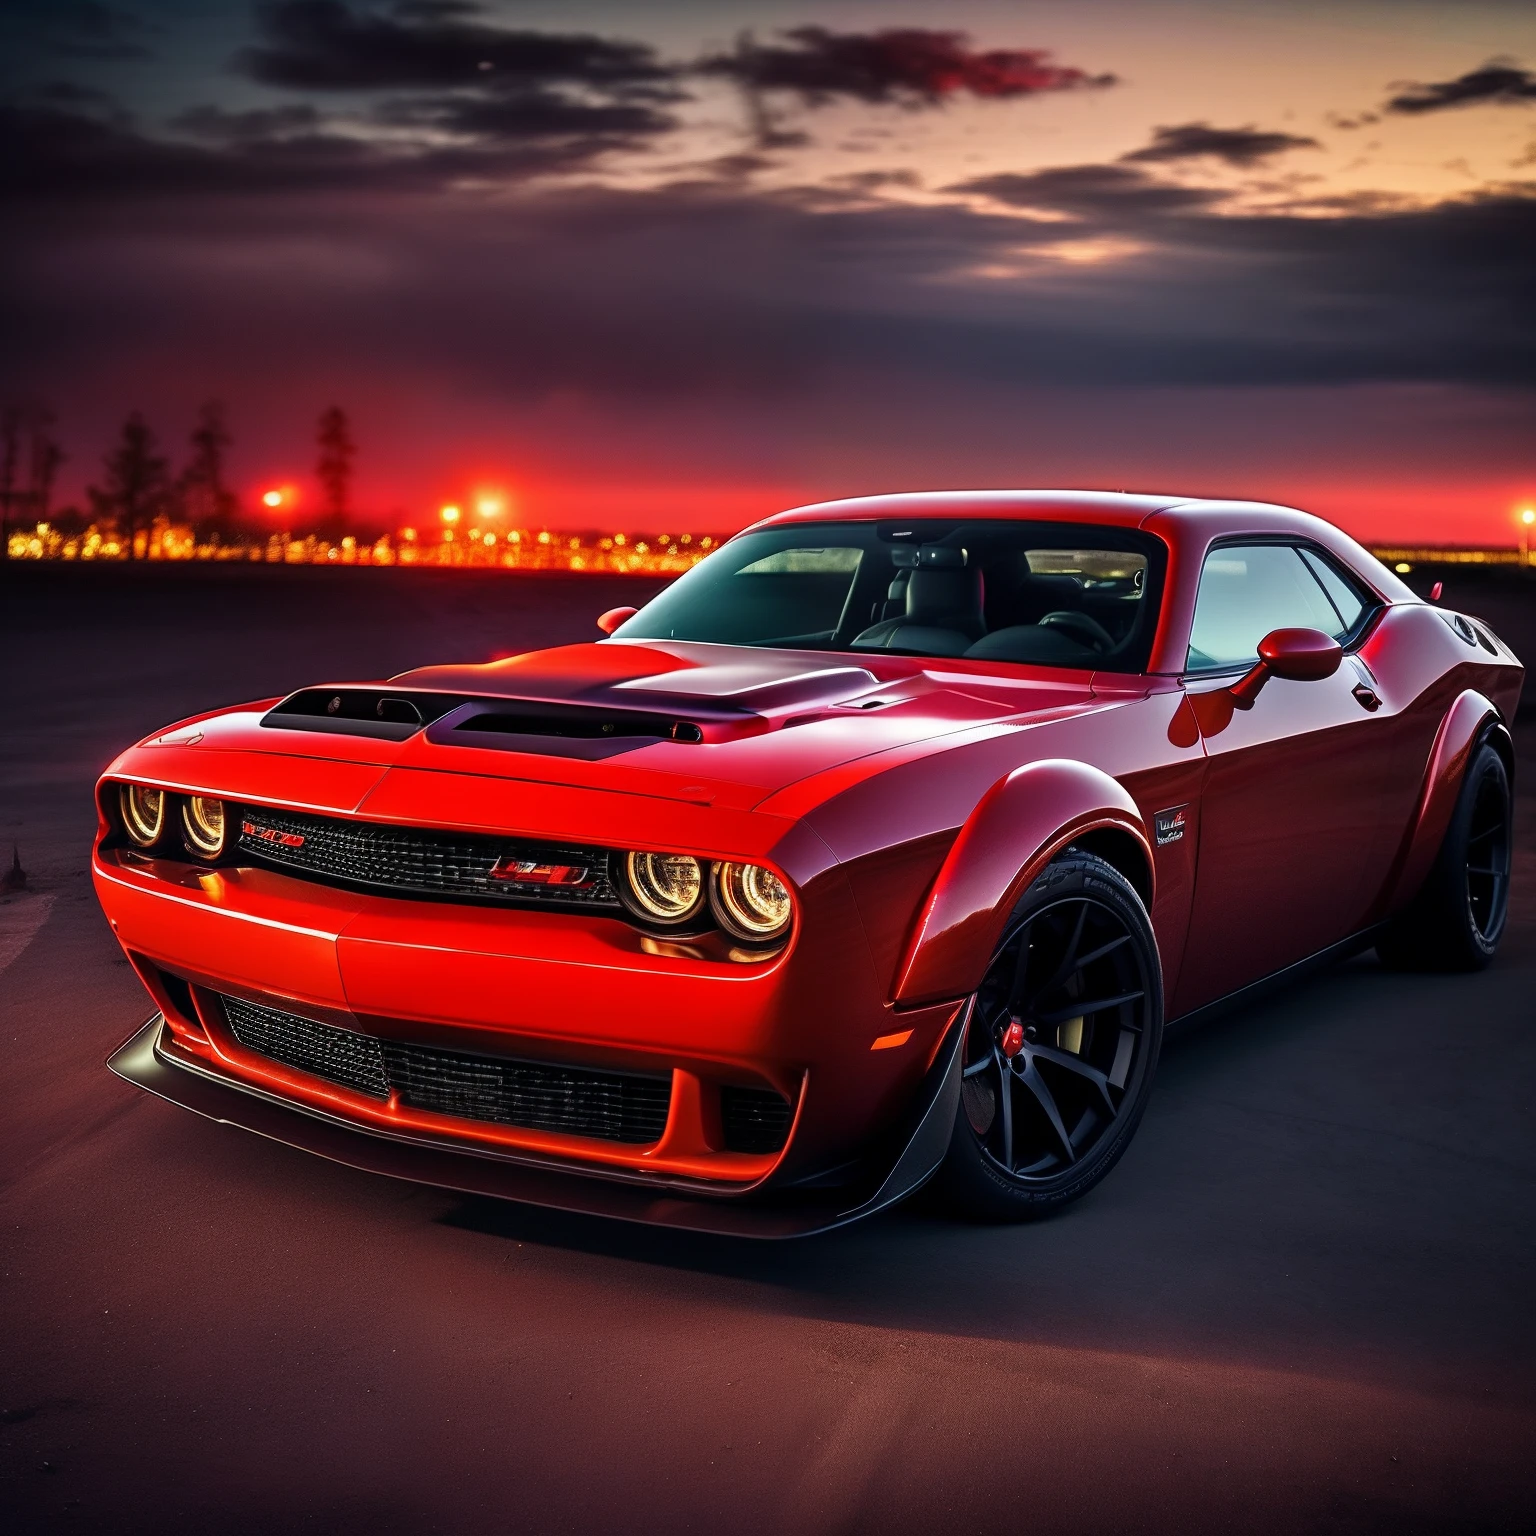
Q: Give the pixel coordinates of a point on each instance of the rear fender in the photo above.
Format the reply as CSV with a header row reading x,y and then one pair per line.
x,y
1017,828
1466,723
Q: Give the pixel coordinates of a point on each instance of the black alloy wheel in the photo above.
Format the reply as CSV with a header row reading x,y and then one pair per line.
x,y
1060,1048
1457,919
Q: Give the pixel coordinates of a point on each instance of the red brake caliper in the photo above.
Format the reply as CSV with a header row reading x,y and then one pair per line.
x,y
1013,1039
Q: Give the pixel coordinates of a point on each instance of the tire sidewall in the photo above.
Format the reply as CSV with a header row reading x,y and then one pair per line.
x,y
969,1175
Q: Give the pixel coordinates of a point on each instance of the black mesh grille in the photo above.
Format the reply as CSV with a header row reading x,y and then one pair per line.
x,y
341,1055
414,861
754,1119
569,1101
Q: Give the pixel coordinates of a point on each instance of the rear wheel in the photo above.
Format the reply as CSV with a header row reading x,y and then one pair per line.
x,y
1061,1046
1457,919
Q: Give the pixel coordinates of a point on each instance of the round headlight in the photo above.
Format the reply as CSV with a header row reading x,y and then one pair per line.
x,y
143,811
750,902
664,887
202,821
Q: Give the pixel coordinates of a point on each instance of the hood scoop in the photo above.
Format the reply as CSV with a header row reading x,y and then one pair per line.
x,y
580,731
387,714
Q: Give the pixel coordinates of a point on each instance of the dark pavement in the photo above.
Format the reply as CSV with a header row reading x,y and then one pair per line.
x,y
1305,1301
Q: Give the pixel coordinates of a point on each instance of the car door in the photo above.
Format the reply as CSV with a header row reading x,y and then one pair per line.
x,y
1291,834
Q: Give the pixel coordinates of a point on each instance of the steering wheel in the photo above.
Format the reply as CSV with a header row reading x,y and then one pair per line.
x,y
1088,631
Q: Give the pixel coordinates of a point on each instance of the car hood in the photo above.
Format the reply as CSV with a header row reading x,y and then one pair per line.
x,y
714,725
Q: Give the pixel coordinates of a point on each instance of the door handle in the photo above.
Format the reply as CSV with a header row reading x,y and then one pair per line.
x,y
1367,696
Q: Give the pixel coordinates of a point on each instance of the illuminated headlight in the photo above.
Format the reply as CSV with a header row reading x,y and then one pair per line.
x,y
143,812
663,887
750,902
202,823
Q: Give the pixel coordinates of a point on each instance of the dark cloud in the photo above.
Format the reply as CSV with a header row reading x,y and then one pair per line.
x,y
1499,83
327,45
909,65
531,113
54,156
214,123
1236,146
1110,193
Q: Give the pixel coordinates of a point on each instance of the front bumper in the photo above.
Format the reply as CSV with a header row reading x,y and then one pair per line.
x,y
899,1163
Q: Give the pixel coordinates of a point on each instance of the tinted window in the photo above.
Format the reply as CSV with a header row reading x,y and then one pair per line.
x,y
1248,590
1052,594
1342,594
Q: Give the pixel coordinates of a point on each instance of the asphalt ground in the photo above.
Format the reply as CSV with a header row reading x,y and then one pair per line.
x,y
1303,1302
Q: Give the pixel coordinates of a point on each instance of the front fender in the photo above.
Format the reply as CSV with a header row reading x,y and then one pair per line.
x,y
1017,828
1463,727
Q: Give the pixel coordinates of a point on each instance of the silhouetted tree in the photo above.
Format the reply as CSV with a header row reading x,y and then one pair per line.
x,y
334,469
45,458
208,504
138,486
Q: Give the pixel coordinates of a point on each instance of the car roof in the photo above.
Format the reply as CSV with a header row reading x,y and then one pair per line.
x,y
1114,508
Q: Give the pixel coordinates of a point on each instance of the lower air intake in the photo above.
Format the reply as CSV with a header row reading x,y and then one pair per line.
x,y
754,1119
626,1107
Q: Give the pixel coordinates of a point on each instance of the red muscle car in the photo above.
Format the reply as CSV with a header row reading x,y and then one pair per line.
x,y
877,847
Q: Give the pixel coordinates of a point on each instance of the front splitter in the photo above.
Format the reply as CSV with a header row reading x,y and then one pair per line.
x,y
145,1060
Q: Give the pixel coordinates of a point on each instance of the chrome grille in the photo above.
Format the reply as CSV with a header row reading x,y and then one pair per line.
x,y
412,861
627,1107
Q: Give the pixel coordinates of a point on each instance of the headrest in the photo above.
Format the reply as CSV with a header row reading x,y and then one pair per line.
x,y
934,594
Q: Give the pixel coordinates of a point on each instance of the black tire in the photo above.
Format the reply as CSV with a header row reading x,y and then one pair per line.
x,y
1457,919
1029,1140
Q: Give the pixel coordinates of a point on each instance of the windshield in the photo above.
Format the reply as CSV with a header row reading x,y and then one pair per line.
x,y
1048,594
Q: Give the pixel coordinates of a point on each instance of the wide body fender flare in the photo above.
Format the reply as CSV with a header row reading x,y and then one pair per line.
x,y
1466,723
1016,829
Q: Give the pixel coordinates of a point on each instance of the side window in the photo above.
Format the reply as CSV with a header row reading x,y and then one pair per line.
x,y
1341,593
1248,590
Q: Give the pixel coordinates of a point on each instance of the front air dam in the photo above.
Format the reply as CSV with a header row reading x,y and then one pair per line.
x,y
149,1060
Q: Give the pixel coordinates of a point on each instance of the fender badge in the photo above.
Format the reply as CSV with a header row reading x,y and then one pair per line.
x,y
1169,825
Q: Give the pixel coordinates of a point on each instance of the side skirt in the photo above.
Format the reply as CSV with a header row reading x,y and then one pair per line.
x,y
1277,981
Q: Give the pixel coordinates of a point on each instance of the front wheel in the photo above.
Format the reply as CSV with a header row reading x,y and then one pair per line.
x,y
1060,1048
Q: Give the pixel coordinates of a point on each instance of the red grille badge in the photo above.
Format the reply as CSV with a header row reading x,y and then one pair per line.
x,y
272,835
531,872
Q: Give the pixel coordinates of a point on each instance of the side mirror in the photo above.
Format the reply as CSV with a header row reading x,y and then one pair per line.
x,y
1302,655
611,620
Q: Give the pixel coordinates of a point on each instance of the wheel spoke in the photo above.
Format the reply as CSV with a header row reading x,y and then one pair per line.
x,y
1005,1104
1047,1102
1483,836
1061,1015
1070,1063
1066,966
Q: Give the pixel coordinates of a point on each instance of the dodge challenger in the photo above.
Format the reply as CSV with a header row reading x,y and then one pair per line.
x,y
878,849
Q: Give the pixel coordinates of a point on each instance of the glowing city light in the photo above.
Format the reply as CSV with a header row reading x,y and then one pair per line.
x,y
1528,517
489,506
272,499
449,514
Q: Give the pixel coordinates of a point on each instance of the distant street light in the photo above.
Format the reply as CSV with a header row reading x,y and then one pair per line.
x,y
489,506
449,514
1526,519
273,499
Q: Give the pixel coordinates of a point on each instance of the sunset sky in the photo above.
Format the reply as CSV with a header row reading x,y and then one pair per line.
x,y
685,263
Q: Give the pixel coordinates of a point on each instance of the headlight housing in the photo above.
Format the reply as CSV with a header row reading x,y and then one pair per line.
x,y
203,825
662,887
750,902
143,813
